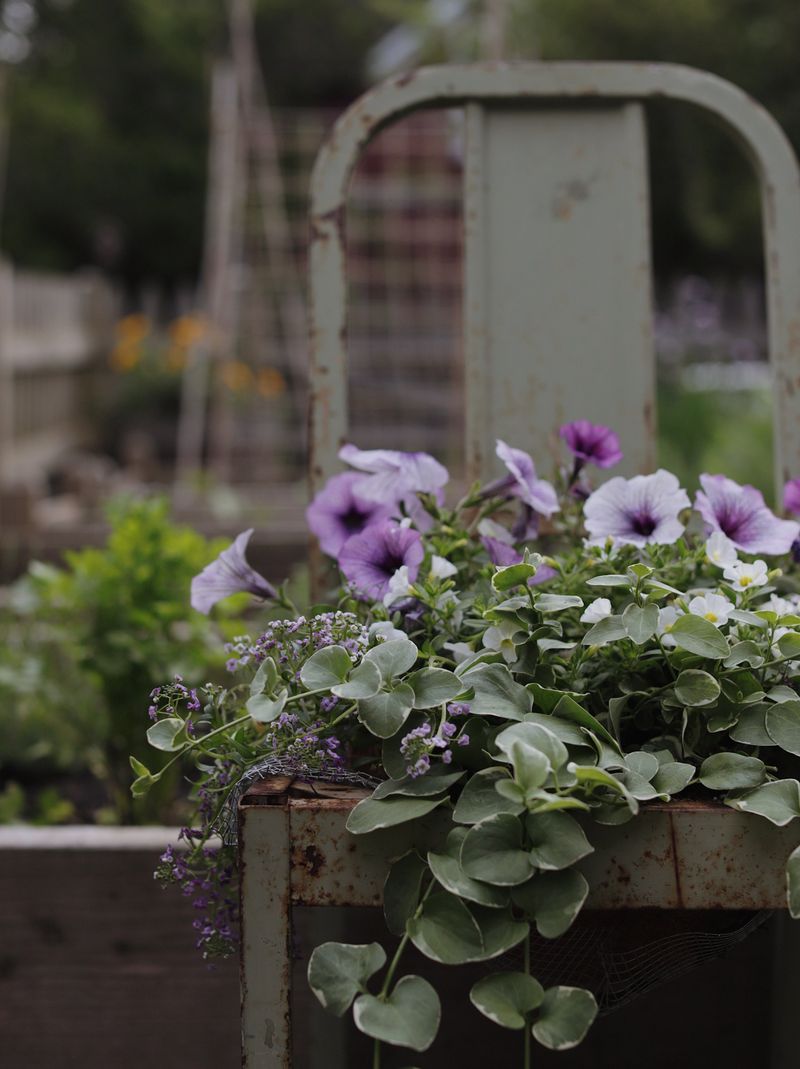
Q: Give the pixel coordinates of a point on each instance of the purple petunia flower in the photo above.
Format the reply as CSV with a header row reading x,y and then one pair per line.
x,y
370,559
791,496
392,476
592,443
740,513
636,511
522,482
337,512
229,574
500,553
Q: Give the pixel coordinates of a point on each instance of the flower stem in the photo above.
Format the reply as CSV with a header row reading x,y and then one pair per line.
x,y
376,1055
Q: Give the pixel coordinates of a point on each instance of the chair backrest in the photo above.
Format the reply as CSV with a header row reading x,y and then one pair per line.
x,y
557,271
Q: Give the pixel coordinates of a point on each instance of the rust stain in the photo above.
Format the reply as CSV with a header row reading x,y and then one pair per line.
x,y
676,862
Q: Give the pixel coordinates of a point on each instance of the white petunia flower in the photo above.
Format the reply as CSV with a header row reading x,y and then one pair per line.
x,y
712,607
666,621
500,637
599,609
782,606
459,650
742,576
441,568
720,550
399,586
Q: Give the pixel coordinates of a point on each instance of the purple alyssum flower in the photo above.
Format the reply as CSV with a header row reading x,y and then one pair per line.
x,y
636,511
741,514
370,559
338,511
392,476
229,574
592,443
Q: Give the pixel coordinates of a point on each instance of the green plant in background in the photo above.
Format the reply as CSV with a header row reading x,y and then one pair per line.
x,y
95,638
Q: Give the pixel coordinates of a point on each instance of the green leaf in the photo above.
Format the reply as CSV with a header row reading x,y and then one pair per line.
x,y
609,629
507,998
731,771
609,580
144,778
673,777
789,644
531,766
637,572
372,813
751,728
569,709
480,800
446,931
783,725
338,971
401,891
778,802
385,713
565,730
538,736
558,840
566,1015
643,763
640,622
793,884
438,779
492,852
694,687
553,900
447,870
409,1017
163,734
364,682
499,930
325,668
513,575
434,686
264,709
699,636
265,678
744,653
393,657
558,602
496,692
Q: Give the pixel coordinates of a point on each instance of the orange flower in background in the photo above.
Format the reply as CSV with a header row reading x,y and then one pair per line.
x,y
236,376
270,382
184,332
131,332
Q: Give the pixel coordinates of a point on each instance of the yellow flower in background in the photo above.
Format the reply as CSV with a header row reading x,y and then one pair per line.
x,y
131,332
187,330
236,375
270,382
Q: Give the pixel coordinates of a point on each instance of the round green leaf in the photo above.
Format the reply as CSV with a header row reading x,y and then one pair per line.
x,y
492,852
513,575
480,799
552,900
731,771
385,713
496,692
436,780
364,681
372,814
264,709
163,734
558,840
751,728
536,735
338,971
558,602
446,869
783,725
694,687
409,1017
673,777
700,636
446,931
640,622
506,998
778,801
565,1016
531,766
642,762
609,629
789,644
393,657
434,686
325,668
500,930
